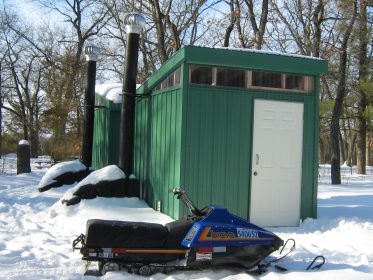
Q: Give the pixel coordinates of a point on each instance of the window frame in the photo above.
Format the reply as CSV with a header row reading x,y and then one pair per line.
x,y
307,80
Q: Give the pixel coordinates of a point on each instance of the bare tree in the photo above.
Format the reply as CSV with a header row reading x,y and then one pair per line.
x,y
260,28
22,86
340,95
170,25
363,78
83,21
300,23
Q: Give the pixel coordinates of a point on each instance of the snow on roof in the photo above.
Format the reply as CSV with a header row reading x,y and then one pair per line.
x,y
269,52
111,91
23,142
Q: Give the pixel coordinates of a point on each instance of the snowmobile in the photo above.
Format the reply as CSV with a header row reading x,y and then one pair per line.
x,y
206,238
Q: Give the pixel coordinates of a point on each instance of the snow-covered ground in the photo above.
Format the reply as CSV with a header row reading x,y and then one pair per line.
x,y
36,231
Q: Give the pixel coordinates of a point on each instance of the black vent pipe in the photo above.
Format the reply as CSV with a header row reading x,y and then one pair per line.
x,y
89,104
134,24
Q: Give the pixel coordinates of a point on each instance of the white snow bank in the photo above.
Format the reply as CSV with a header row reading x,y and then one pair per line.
x,y
108,173
36,232
59,169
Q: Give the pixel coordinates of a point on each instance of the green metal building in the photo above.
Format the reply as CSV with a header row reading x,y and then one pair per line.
x,y
106,125
233,127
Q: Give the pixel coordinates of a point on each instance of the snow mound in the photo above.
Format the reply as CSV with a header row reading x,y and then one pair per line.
x,y
109,181
59,172
107,174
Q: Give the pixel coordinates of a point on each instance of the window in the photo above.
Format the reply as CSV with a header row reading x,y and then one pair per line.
x,y
294,82
266,79
201,75
171,80
177,76
240,78
230,77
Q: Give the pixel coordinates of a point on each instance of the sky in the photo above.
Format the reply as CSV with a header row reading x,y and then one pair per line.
x,y
32,11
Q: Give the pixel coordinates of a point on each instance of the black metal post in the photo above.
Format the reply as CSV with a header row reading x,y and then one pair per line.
x,y
135,23
23,157
89,104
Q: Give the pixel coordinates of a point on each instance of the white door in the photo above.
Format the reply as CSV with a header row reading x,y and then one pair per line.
x,y
276,163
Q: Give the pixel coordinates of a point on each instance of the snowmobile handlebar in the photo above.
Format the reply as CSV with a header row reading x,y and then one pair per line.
x,y
180,194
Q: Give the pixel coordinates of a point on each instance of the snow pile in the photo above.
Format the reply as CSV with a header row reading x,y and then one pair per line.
x,y
108,173
63,173
37,230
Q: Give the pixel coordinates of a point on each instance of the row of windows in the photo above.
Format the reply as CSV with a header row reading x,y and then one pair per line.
x,y
171,80
230,77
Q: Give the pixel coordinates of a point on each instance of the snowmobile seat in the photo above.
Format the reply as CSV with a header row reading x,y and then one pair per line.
x,y
110,234
176,233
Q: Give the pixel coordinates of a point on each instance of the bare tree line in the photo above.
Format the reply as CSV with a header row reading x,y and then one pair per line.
x,y
43,67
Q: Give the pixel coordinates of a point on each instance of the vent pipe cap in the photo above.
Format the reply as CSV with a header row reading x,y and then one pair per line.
x,y
134,22
91,53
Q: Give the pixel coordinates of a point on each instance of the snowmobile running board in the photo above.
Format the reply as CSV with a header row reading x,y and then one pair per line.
x,y
150,269
139,269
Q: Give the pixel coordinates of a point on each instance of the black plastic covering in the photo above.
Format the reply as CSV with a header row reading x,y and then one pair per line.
x,y
66,178
239,256
110,234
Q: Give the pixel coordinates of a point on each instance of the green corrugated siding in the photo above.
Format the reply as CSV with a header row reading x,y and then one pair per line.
x,y
217,148
218,144
141,142
309,178
100,152
249,59
106,134
160,167
200,137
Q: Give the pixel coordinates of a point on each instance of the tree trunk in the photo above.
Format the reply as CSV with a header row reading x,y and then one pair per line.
x,y
362,103
337,109
258,30
34,143
160,28
343,147
230,26
351,148
321,151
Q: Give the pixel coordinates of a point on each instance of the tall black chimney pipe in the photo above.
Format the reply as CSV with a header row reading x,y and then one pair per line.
x,y
89,103
134,23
